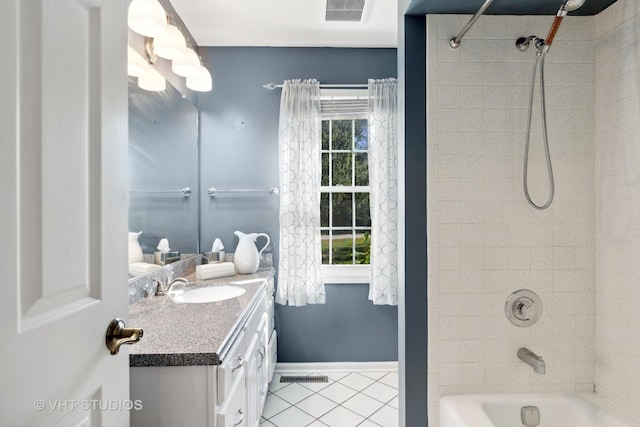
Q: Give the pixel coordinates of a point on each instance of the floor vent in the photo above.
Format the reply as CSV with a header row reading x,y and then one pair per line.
x,y
304,379
344,10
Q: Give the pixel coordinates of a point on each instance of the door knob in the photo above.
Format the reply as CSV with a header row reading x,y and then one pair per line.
x,y
117,335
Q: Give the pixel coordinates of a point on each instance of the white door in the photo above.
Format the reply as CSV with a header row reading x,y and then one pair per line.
x,y
63,212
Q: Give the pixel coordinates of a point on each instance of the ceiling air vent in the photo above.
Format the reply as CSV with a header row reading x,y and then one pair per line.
x,y
344,10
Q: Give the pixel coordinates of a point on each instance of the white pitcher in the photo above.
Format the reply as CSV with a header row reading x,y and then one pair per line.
x,y
246,257
135,251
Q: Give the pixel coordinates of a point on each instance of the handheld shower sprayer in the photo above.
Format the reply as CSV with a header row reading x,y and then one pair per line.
x,y
542,47
566,7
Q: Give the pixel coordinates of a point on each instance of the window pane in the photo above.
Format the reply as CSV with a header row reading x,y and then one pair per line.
x,y
363,247
324,209
350,243
342,209
325,134
325,168
361,135
362,169
325,246
342,243
341,134
341,169
363,215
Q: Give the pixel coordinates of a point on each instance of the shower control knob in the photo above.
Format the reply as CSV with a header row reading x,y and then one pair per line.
x,y
523,308
529,312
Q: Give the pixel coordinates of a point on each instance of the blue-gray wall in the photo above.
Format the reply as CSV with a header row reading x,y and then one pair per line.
x,y
239,149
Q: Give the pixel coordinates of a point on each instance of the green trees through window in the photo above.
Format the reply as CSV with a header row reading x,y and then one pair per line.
x,y
344,203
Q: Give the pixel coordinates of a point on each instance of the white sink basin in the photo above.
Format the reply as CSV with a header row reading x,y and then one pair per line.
x,y
207,294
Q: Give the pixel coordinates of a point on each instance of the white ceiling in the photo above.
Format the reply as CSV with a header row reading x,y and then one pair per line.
x,y
286,23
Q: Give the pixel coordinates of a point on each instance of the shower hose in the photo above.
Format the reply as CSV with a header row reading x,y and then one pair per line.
x,y
538,59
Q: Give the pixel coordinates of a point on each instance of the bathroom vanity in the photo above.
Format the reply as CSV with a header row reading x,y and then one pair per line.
x,y
204,364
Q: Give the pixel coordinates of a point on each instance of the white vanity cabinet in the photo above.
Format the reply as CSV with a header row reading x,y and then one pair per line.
x,y
230,394
260,371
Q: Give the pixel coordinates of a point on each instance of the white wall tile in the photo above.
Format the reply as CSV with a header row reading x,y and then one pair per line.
x,y
472,96
473,281
496,258
472,51
519,258
494,73
496,281
617,243
471,119
495,50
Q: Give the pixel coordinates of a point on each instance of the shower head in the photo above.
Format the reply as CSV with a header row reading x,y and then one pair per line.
x,y
571,5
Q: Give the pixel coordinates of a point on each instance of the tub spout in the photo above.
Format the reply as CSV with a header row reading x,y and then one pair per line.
x,y
532,359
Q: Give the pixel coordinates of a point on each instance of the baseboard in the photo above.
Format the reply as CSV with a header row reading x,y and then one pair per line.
x,y
324,367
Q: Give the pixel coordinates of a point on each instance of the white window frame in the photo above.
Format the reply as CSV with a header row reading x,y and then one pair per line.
x,y
343,273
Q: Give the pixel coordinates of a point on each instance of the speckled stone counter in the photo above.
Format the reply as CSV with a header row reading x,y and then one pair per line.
x,y
192,334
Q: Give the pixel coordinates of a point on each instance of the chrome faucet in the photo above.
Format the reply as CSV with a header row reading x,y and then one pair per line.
x,y
182,280
532,359
162,290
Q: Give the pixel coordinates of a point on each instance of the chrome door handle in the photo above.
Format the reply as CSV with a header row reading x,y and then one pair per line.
x,y
261,353
117,335
241,417
238,364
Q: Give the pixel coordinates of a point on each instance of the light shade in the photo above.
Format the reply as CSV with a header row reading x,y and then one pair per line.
x,y
200,82
188,65
152,81
147,17
136,65
171,45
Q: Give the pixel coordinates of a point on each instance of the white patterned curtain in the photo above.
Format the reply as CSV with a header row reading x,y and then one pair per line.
x,y
299,270
383,181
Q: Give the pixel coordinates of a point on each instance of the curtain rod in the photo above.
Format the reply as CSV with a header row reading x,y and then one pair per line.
x,y
455,42
272,86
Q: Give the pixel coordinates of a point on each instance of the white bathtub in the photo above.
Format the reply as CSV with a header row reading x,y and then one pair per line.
x,y
556,410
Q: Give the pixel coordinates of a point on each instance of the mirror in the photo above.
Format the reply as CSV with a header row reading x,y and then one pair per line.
x,y
163,164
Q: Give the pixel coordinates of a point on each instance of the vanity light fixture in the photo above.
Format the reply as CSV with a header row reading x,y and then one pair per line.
x,y
152,81
147,17
136,65
171,45
163,39
188,65
201,82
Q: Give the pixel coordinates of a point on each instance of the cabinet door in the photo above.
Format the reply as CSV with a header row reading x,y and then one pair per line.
x,y
231,369
272,355
252,382
234,412
271,316
263,361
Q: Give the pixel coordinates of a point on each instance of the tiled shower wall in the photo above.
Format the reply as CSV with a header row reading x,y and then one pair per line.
x,y
617,219
485,241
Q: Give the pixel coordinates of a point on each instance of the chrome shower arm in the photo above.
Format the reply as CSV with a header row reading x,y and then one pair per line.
x,y
455,42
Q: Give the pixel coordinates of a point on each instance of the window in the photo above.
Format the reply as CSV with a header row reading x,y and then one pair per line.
x,y
344,199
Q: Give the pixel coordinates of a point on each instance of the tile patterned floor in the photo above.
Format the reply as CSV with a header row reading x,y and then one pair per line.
x,y
349,399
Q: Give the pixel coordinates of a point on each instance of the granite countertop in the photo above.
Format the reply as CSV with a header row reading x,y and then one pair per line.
x,y
192,334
